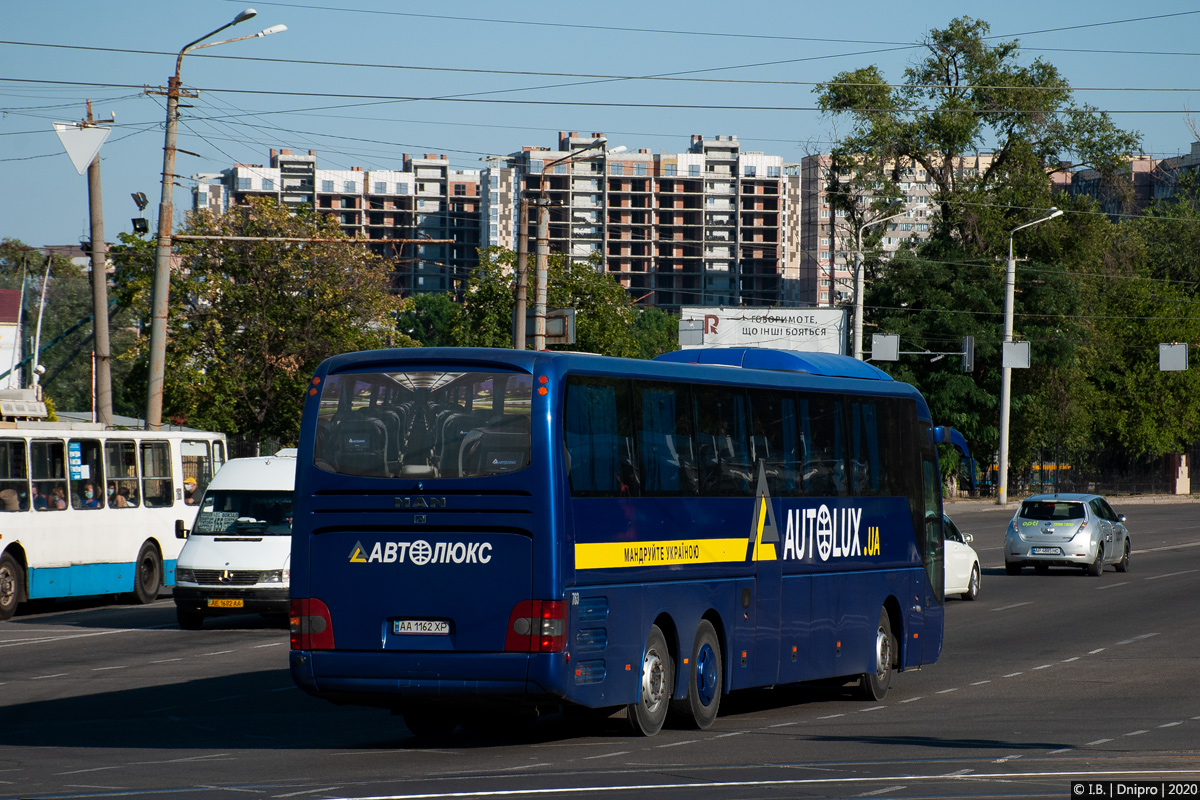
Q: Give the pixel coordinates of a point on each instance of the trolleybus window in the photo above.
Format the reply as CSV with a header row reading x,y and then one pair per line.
x,y
87,474
158,488
14,480
48,463
121,461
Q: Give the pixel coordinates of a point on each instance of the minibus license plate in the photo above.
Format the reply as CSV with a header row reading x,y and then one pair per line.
x,y
224,602
424,626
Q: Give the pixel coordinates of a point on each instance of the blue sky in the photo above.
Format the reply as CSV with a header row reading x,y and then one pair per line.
x,y
308,88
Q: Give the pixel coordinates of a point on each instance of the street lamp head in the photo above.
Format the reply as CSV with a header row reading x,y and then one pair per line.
x,y
1052,212
618,149
249,13
272,29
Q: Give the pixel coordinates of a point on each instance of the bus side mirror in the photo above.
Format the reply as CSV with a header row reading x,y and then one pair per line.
x,y
180,531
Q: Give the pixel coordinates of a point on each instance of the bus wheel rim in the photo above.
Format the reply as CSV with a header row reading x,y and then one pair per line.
x,y
706,675
652,680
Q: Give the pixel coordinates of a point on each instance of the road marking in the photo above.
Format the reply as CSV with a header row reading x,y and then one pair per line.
x,y
1069,660
831,716
872,708
1098,741
1060,750
1012,674
1014,605
1135,733
956,773
102,669
641,789
166,660
1044,666
980,683
607,755
1097,650
911,699
1171,574
272,644
55,675
1006,758
888,790
1167,547
306,791
1111,585
1170,724
732,733
672,744
218,653
781,725
1137,638
948,691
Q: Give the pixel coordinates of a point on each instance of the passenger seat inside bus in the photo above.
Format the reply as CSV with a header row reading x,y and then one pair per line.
x,y
360,447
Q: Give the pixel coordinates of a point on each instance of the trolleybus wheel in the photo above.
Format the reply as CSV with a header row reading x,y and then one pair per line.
x,y
11,578
657,684
147,575
874,685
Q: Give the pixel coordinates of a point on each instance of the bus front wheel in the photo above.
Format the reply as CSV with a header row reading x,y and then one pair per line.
x,y
706,678
656,687
10,585
875,684
147,575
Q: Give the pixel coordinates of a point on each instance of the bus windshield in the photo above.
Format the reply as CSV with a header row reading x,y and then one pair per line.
x,y
245,512
424,424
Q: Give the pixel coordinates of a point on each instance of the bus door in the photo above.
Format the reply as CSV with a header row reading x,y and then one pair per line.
x,y
933,596
765,548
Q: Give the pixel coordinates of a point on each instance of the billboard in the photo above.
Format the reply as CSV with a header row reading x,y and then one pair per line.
x,y
812,330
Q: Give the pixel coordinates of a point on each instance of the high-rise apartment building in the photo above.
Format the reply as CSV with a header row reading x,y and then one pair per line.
x,y
713,225
829,239
425,217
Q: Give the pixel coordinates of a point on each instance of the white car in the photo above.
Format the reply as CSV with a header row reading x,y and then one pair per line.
x,y
962,562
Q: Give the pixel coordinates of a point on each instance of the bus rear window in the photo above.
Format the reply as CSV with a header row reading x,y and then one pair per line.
x,y
432,424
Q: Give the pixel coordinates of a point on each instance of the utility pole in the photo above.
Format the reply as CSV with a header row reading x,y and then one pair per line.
x,y
103,384
519,308
543,269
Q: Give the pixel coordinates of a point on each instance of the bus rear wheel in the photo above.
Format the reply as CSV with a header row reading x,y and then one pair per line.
x,y
657,685
11,590
875,685
706,679
147,575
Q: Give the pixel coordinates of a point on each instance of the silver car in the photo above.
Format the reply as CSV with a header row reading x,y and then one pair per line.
x,y
1078,530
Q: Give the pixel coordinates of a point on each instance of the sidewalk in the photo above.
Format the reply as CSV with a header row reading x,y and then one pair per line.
x,y
958,505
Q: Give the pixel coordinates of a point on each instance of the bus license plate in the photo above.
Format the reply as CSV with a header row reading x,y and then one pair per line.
x,y
224,602
1046,551
437,627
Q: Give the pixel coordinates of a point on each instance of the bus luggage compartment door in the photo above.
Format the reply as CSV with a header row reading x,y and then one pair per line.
x,y
429,592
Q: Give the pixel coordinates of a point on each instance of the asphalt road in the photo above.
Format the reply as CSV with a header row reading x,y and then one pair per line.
x,y
1045,678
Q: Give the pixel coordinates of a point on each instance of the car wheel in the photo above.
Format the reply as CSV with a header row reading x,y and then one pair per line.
x,y
706,679
1097,566
189,620
874,685
147,575
1012,568
11,577
657,685
1123,564
973,586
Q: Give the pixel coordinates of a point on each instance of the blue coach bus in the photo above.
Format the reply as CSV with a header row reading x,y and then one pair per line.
x,y
480,527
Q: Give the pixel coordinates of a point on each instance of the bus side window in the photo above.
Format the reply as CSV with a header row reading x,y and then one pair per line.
x,y
14,478
87,473
666,456
158,487
120,460
598,441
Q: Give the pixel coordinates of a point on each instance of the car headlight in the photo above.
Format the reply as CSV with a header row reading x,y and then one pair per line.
x,y
185,574
276,576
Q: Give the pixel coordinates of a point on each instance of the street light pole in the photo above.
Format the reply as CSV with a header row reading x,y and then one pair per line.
x,y
162,253
1010,284
860,283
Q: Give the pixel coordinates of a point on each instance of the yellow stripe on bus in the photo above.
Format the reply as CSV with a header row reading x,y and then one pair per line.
x,y
611,555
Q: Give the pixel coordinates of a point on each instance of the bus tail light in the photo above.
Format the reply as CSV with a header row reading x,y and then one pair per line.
x,y
537,626
311,624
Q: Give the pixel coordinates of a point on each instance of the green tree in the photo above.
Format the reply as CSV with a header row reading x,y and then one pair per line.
x,y
250,320
966,95
655,331
433,319
67,336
